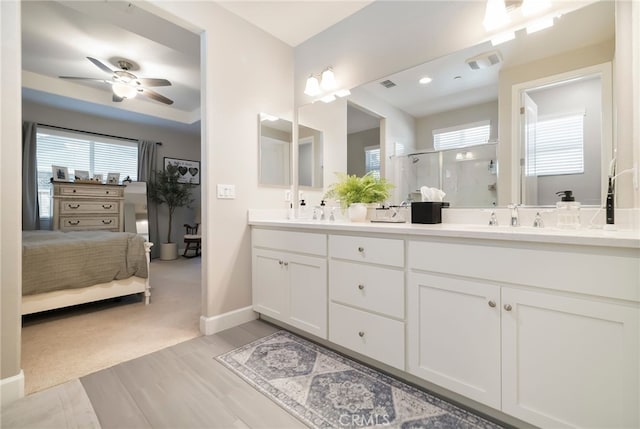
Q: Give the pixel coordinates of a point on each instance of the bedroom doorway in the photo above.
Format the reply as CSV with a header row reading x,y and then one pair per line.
x,y
65,344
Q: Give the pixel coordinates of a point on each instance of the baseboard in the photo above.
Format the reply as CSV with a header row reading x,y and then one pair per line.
x,y
214,324
11,388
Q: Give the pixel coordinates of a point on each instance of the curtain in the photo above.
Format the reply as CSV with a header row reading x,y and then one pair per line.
x,y
147,166
30,206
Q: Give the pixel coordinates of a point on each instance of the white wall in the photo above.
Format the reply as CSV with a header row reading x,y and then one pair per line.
x,y
175,144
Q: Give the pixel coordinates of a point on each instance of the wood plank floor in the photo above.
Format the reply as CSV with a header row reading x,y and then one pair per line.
x,y
183,386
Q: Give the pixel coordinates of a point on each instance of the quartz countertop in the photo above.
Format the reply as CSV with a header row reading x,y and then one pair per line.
x,y
583,236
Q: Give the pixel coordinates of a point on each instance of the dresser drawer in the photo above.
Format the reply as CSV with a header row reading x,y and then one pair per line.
x,y
374,336
371,288
91,191
290,241
80,223
384,251
83,206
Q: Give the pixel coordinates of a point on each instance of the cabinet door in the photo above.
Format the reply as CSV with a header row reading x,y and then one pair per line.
x,y
569,362
307,278
269,284
453,339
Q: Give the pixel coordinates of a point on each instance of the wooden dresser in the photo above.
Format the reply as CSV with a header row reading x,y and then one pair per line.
x,y
87,206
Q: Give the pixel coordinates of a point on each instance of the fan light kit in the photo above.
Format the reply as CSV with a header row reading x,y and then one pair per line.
x,y
126,85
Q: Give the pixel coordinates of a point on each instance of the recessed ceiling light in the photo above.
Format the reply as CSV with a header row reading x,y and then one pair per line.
x,y
425,80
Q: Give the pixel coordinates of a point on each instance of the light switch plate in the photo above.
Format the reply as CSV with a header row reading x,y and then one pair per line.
x,y
227,192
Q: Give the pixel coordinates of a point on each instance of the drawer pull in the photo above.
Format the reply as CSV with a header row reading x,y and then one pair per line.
x,y
107,222
286,264
107,206
73,222
508,307
74,191
73,206
492,303
280,262
361,334
360,249
361,287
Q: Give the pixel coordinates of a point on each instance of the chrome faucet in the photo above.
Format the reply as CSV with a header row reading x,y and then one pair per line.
x,y
515,221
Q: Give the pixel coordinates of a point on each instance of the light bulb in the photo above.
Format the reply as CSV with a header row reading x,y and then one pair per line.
x,y
313,87
124,91
328,80
425,80
496,15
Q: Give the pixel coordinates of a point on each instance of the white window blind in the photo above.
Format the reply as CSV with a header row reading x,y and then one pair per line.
x,y
79,151
372,160
465,135
558,147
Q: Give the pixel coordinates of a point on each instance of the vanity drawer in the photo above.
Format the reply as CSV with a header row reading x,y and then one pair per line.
x,y
84,206
81,223
384,251
371,288
298,242
374,336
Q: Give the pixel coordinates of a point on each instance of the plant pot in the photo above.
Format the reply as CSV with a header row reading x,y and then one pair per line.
x,y
358,212
168,251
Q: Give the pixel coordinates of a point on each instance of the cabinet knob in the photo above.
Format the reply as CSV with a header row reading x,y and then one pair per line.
x,y
74,191
492,303
360,249
361,334
361,286
508,307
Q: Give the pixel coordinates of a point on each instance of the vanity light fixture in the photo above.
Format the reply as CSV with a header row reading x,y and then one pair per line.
x,y
124,90
328,80
425,80
313,86
496,15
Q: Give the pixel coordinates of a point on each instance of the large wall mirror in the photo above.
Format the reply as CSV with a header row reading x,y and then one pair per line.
x,y
275,148
453,130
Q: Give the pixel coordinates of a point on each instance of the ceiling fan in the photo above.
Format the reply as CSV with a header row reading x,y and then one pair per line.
x,y
125,84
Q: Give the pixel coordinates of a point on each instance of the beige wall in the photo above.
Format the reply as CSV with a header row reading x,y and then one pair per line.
x,y
10,200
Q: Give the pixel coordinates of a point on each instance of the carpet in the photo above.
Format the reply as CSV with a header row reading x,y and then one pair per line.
x,y
327,390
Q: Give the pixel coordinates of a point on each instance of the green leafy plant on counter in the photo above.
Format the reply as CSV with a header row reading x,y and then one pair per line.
x,y
353,189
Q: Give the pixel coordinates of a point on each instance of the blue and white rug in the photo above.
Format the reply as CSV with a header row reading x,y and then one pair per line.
x,y
327,390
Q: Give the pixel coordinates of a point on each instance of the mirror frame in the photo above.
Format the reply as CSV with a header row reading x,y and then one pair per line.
x,y
290,164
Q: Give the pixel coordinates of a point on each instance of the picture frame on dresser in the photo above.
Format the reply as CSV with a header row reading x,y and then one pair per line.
x,y
81,174
189,170
60,174
113,178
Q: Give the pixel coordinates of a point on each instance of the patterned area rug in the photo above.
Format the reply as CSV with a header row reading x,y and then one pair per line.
x,y
326,390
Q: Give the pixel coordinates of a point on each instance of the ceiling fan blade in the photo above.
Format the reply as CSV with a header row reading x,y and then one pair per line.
x,y
153,82
155,96
85,78
100,65
116,99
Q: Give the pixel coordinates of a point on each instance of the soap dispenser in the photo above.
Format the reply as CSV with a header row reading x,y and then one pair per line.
x,y
568,211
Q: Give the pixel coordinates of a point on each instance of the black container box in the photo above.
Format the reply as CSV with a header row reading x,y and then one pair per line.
x,y
427,212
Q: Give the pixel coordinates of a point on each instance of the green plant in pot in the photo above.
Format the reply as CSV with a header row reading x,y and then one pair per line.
x,y
354,193
166,188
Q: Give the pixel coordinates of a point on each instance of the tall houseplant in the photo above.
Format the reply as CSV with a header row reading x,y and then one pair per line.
x,y
355,192
165,188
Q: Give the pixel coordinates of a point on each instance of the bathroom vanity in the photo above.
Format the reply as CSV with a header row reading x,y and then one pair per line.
x,y
541,325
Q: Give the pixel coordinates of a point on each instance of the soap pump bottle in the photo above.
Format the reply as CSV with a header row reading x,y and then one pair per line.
x,y
568,211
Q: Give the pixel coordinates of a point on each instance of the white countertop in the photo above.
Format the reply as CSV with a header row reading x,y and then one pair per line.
x,y
585,236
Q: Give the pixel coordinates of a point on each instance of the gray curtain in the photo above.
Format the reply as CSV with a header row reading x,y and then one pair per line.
x,y
147,165
30,206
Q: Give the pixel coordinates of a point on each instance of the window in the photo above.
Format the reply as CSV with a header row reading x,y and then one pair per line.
x,y
372,160
462,135
558,146
79,151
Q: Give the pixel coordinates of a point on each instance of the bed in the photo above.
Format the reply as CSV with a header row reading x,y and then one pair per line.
x,y
60,269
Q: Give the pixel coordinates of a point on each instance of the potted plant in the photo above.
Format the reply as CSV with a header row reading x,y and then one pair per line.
x,y
354,193
165,188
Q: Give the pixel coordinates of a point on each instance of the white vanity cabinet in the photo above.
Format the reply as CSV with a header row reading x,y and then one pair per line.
x,y
507,325
289,271
366,293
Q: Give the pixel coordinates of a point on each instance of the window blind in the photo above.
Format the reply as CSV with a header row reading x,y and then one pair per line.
x,y
79,151
465,135
372,160
558,146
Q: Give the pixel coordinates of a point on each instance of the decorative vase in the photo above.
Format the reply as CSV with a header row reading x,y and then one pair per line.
x,y
358,212
168,251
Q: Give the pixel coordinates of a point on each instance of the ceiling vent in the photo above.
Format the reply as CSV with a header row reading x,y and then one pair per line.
x,y
387,83
484,60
